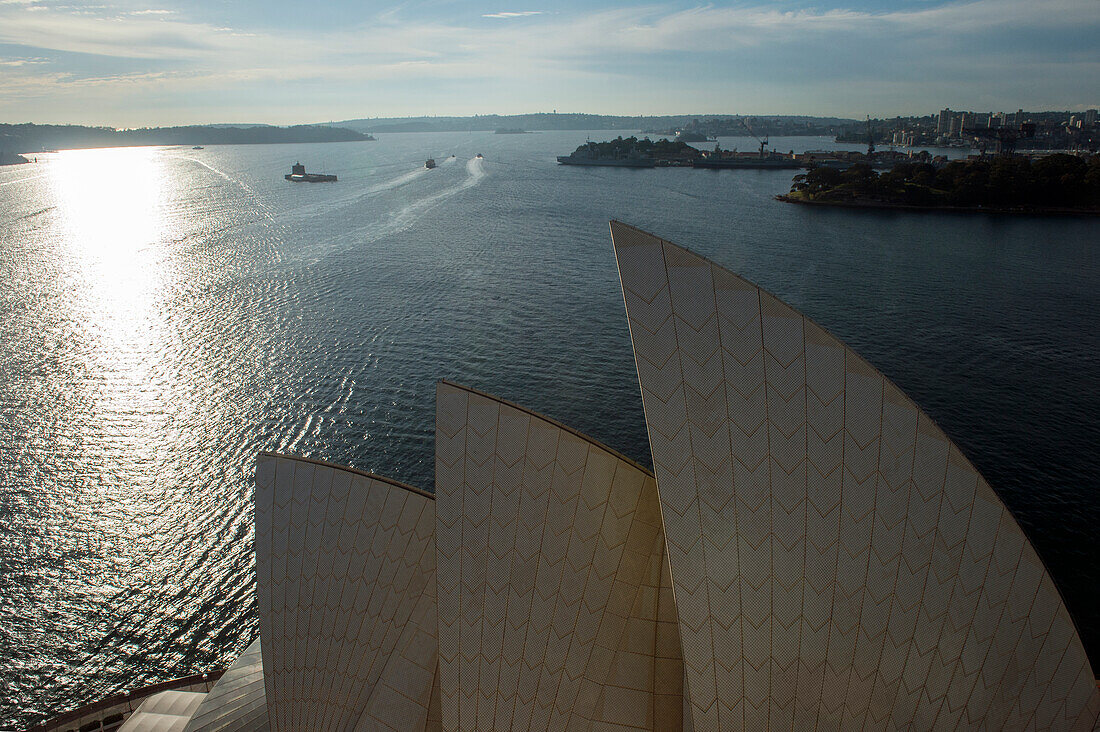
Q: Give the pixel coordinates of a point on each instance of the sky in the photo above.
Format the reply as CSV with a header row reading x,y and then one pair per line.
x,y
133,63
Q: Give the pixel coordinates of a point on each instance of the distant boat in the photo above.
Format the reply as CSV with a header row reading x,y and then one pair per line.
x,y
429,163
479,156
298,174
198,147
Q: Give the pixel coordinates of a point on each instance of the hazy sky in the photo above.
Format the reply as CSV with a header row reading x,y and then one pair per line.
x,y
136,62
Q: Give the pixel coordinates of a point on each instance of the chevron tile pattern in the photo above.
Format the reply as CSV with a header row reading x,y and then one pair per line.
x,y
555,606
345,577
837,563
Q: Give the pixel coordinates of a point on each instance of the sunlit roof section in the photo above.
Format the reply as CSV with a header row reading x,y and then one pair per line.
x,y
555,605
838,563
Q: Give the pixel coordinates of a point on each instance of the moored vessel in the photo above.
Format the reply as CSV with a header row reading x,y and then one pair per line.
x,y
770,162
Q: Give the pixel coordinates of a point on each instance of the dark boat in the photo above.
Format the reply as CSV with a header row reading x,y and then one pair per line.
x,y
197,147
298,174
479,156
429,163
775,162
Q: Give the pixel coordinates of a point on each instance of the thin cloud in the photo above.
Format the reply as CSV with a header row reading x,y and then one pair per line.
x,y
17,62
152,12
513,14
827,60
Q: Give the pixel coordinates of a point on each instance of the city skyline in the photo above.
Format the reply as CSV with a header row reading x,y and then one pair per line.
x,y
129,63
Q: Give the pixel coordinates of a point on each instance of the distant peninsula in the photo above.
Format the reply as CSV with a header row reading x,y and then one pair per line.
x,y
1051,184
29,138
549,121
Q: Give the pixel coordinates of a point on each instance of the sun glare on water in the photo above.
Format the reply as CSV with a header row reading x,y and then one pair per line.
x,y
113,209
111,204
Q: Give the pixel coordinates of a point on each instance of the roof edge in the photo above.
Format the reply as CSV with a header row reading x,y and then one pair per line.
x,y
550,420
348,469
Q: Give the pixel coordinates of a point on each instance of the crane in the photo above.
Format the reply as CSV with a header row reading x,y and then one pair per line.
x,y
763,143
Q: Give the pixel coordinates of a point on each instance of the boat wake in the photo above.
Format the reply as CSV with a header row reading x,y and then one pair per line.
x,y
255,198
406,213
22,180
404,218
396,182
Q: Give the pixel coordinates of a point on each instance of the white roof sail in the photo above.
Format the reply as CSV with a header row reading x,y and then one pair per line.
x,y
345,585
837,561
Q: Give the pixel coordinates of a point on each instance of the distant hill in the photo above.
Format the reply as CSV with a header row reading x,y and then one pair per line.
x,y
761,124
31,137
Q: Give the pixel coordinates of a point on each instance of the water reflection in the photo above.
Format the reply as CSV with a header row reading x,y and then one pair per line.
x,y
111,215
158,327
111,203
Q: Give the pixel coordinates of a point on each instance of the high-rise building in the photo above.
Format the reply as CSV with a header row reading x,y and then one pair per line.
x,y
943,121
1090,118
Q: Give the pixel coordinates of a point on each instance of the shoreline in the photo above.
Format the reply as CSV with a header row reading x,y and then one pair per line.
x,y
888,206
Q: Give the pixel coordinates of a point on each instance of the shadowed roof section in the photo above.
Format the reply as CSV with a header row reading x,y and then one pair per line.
x,y
236,703
837,561
345,585
555,604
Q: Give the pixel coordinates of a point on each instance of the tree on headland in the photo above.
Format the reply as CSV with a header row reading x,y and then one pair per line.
x,y
1055,181
622,147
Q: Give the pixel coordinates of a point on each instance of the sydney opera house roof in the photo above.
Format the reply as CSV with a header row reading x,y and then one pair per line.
x,y
809,552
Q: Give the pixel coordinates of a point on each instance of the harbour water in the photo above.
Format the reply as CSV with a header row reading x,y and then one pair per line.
x,y
165,313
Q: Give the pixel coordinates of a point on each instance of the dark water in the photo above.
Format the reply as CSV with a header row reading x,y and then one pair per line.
x,y
165,314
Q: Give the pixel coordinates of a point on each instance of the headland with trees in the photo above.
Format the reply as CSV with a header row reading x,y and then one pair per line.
x,y
1057,183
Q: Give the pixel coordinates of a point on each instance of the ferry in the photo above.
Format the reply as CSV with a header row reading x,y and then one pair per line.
x,y
298,174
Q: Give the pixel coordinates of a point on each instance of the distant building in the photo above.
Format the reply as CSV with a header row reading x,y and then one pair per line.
x,y
943,121
1090,118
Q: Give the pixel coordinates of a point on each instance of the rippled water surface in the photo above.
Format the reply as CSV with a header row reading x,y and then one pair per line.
x,y
165,313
